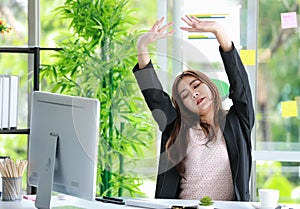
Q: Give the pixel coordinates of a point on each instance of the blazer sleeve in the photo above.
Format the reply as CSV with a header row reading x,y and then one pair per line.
x,y
240,91
157,99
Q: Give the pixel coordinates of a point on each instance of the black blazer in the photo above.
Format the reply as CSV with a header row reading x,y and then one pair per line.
x,y
237,128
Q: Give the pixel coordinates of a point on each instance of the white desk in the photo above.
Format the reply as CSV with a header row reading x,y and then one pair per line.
x,y
80,203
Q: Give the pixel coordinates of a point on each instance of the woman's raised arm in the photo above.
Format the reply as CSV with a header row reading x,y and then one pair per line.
x,y
156,32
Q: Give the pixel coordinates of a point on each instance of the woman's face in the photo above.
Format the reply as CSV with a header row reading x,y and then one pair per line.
x,y
195,95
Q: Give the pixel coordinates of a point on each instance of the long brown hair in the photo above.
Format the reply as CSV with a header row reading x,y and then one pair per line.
x,y
178,140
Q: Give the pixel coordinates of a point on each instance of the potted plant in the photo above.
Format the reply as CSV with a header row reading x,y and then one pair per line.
x,y
94,62
206,203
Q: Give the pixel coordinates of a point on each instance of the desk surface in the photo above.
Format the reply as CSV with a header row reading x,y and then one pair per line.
x,y
76,203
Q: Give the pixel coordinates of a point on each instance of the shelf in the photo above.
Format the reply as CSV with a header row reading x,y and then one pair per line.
x,y
35,50
17,49
15,131
25,49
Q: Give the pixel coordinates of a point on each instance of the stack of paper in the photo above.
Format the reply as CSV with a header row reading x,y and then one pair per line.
x,y
9,91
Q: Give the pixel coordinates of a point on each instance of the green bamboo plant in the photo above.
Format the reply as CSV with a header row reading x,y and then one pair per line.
x,y
96,61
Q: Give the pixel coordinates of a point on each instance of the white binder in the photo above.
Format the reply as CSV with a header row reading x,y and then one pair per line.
x,y
1,99
5,101
13,102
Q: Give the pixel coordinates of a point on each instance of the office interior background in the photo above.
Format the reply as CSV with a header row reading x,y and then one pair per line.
x,y
89,50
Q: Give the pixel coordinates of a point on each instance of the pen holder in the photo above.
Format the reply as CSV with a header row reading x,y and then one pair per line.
x,y
11,188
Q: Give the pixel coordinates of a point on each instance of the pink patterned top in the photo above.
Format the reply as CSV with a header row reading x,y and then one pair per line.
x,y
207,168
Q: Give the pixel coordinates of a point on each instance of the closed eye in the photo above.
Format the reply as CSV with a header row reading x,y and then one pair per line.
x,y
184,95
196,84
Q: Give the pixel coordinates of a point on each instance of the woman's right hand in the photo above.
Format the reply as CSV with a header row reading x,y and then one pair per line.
x,y
156,32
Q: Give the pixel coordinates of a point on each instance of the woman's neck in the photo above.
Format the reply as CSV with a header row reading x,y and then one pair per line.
x,y
209,119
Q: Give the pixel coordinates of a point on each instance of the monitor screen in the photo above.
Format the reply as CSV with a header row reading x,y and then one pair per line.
x,y
63,145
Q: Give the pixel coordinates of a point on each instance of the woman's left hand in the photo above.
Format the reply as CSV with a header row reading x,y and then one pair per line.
x,y
196,25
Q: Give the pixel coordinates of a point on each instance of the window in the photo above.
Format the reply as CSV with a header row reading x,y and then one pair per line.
x,y
278,88
14,14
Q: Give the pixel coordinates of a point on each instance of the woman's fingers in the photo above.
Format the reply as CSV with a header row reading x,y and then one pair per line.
x,y
191,21
157,24
157,31
186,20
195,19
167,34
197,25
162,29
187,29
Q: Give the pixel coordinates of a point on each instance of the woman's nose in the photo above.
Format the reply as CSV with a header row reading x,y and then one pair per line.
x,y
195,95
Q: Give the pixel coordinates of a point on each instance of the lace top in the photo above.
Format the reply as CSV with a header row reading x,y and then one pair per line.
x,y
207,168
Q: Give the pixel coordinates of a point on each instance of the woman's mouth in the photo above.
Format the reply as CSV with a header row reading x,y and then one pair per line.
x,y
198,101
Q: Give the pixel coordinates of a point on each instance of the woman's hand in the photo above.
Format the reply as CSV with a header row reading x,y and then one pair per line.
x,y
196,25
156,32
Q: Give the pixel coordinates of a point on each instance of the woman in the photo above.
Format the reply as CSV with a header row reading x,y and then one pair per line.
x,y
204,149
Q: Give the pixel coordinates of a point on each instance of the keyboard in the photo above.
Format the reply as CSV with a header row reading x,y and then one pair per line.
x,y
147,204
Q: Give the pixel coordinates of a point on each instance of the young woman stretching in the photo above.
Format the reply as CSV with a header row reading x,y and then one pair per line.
x,y
205,150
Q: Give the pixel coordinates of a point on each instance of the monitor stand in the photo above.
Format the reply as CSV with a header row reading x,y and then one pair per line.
x,y
45,179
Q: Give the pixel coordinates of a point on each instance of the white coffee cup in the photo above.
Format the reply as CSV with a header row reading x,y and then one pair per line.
x,y
268,198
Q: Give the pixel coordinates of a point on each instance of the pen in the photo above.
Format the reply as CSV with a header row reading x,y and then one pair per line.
x,y
183,207
113,198
110,200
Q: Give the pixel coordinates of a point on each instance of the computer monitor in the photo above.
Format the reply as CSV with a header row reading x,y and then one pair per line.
x,y
63,146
